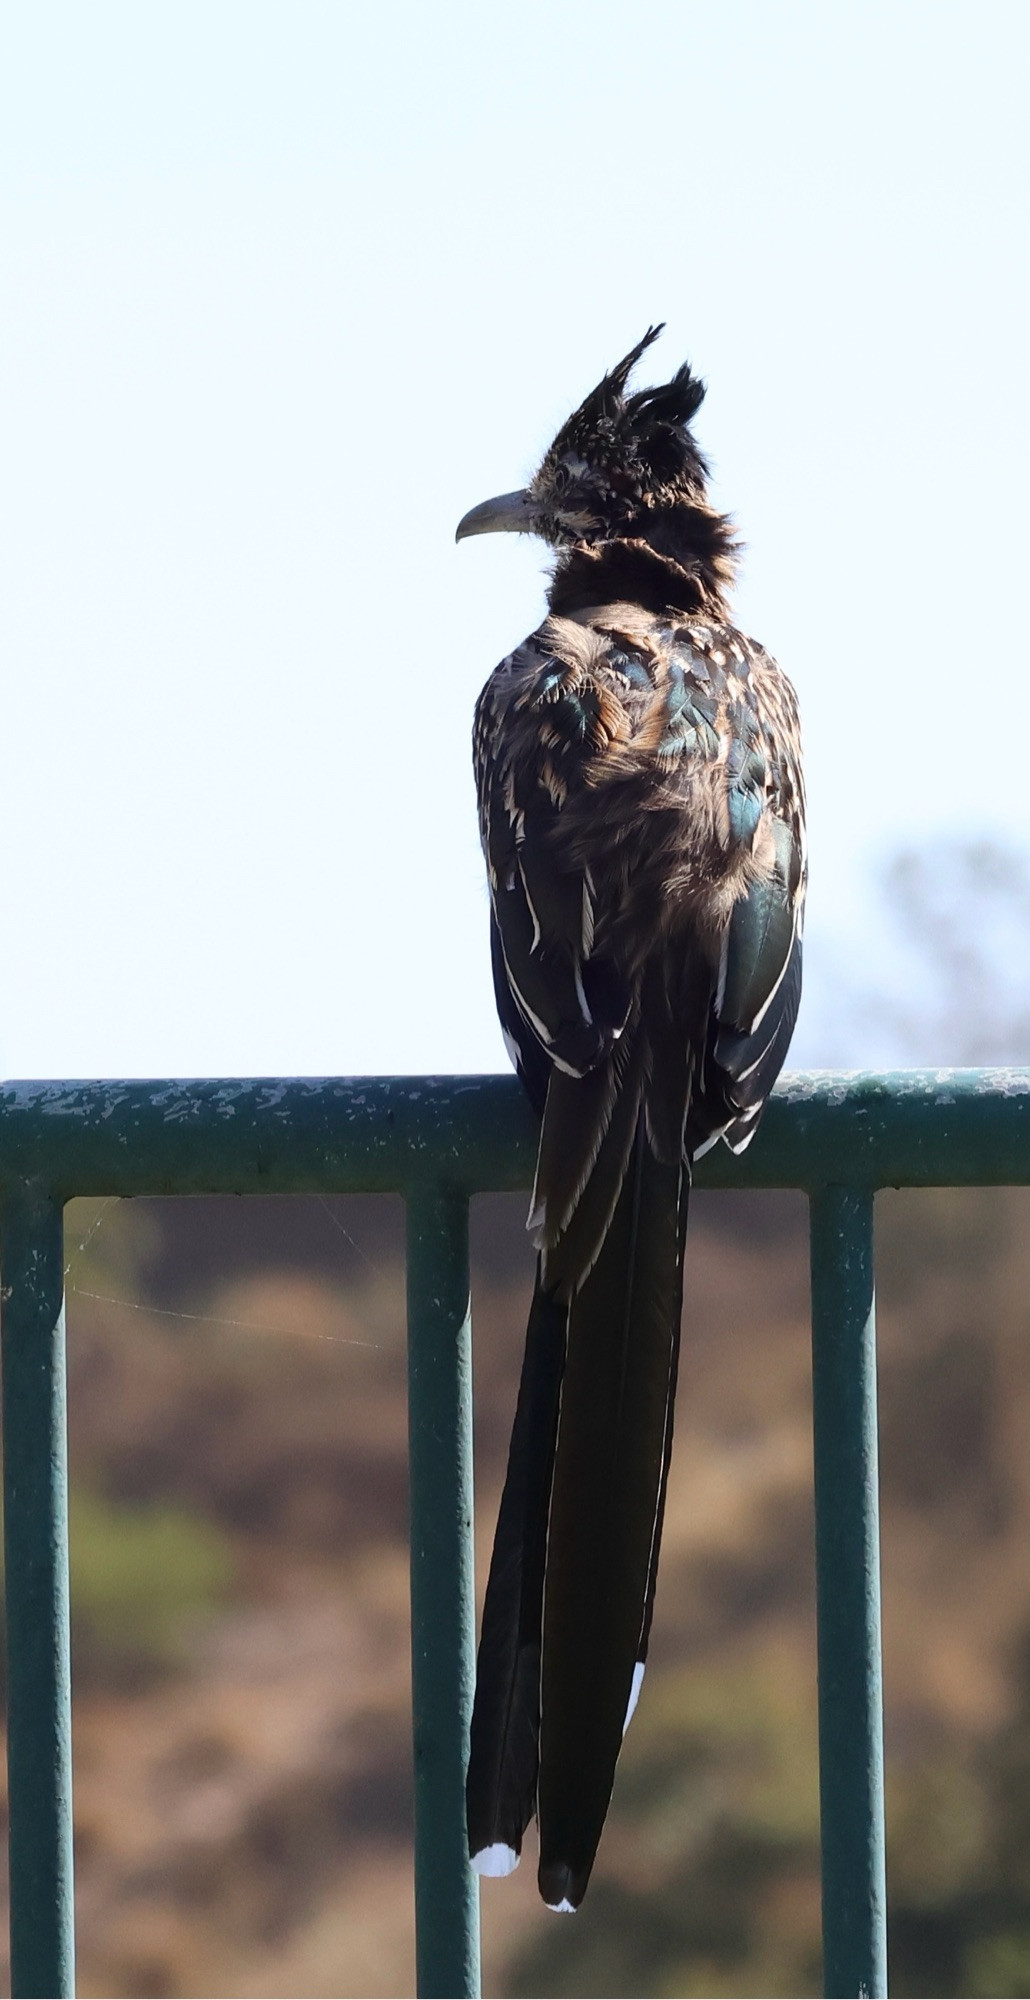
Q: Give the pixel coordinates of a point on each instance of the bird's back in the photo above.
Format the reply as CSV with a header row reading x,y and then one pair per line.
x,y
639,777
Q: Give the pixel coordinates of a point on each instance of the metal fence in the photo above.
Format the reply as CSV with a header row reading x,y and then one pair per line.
x,y
437,1141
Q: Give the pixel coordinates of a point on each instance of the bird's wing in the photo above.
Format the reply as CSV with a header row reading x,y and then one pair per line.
x,y
754,1008
756,1000
563,1003
553,989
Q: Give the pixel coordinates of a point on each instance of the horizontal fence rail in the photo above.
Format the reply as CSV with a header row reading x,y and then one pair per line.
x,y
436,1141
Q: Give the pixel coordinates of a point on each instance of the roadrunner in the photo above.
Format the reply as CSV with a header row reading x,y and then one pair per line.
x,y
642,816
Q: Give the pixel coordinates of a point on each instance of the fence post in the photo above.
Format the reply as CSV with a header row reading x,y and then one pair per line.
x,y
848,1585
442,1586
36,1559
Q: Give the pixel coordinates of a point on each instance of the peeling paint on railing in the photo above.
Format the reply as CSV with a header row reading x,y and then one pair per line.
x,y
274,1135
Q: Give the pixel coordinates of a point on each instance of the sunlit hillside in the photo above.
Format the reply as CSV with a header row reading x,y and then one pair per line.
x,y
239,1557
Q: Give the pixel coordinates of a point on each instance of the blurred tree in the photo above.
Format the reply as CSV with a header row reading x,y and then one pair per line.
x,y
937,973
962,912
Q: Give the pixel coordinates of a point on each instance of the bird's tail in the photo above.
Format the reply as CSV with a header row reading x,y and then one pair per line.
x,y
607,1502
571,1589
504,1753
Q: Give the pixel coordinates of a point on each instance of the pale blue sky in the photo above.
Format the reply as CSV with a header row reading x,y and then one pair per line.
x,y
288,289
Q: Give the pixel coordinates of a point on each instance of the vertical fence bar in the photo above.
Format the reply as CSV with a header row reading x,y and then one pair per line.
x,y
36,1559
442,1586
848,1585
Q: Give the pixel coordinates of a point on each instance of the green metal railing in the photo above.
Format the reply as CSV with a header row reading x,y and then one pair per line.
x,y
437,1141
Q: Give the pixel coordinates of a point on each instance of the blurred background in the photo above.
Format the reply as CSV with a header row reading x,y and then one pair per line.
x,y
287,290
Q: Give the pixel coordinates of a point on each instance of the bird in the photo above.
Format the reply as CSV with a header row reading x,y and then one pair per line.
x,y
641,809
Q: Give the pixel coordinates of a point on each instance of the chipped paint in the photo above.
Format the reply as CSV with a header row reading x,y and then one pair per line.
x,y
296,1135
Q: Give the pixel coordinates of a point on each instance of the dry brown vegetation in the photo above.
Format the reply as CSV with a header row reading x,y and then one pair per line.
x,y
239,1556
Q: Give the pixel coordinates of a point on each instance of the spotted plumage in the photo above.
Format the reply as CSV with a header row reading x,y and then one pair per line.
x,y
642,817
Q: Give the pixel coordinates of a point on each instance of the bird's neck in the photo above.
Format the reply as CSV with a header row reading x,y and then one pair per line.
x,y
679,559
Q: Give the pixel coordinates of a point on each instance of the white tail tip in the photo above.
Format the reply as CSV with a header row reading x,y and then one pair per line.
x,y
564,1908
495,1860
634,1693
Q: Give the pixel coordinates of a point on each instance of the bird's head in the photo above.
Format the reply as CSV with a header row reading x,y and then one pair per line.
x,y
618,463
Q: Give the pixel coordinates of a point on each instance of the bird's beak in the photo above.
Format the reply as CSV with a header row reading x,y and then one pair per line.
x,y
509,513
